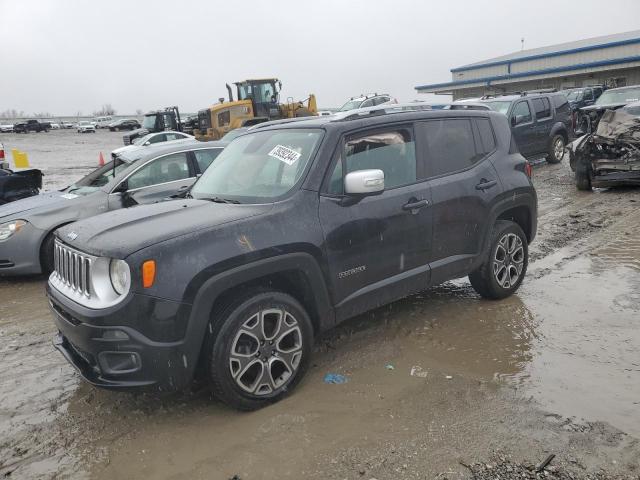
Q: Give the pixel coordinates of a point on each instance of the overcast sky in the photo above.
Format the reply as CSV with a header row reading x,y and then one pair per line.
x,y
67,56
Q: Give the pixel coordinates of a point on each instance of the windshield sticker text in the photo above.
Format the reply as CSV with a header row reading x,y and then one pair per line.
x,y
285,154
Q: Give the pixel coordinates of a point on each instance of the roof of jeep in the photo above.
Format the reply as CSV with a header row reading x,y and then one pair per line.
x,y
334,122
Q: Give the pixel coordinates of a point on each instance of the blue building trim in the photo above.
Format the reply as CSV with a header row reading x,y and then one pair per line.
x,y
488,80
588,48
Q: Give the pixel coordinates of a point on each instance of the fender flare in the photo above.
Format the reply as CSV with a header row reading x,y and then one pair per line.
x,y
213,287
561,128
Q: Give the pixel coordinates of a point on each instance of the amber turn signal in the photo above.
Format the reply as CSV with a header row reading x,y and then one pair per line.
x,y
148,273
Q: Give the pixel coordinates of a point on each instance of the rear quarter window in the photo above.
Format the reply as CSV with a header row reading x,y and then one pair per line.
x,y
487,138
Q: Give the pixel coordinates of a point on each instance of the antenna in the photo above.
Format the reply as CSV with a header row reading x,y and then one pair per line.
x,y
522,43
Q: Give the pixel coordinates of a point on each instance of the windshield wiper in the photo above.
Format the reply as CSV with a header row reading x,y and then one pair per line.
x,y
220,200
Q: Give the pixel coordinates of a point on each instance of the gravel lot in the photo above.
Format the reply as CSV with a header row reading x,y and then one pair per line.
x,y
554,369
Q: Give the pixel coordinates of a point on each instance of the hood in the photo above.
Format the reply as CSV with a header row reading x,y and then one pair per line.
x,y
609,106
38,203
120,233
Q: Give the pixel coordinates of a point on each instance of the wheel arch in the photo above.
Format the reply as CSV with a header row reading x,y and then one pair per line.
x,y
297,274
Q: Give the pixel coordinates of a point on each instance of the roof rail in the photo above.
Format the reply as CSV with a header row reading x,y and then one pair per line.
x,y
378,110
282,121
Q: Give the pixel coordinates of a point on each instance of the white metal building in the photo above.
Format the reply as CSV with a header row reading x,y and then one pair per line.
x,y
613,60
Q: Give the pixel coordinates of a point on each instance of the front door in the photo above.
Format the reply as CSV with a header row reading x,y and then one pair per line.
x,y
377,246
523,128
155,181
543,124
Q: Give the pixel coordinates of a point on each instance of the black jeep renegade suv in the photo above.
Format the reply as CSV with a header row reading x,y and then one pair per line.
x,y
297,226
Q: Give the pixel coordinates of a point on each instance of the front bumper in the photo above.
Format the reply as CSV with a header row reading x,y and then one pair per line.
x,y
118,356
20,253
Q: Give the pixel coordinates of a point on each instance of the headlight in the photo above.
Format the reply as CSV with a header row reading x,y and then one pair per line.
x,y
120,276
9,228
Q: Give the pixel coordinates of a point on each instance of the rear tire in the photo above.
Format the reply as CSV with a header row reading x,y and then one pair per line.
x,y
505,264
556,149
583,178
252,339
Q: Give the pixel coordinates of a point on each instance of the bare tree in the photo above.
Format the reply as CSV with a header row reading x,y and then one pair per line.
x,y
106,109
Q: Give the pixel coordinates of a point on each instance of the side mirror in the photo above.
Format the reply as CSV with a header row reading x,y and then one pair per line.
x,y
364,182
147,143
517,120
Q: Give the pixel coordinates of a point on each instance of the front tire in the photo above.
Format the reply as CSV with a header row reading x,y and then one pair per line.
x,y
556,149
46,254
583,177
258,349
506,263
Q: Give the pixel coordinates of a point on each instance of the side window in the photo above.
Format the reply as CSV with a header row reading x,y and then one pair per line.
x,y
392,151
588,94
521,113
380,100
450,146
162,170
542,107
486,135
206,157
367,103
161,137
173,136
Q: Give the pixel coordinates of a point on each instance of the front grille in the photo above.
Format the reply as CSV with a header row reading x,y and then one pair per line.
x,y
72,268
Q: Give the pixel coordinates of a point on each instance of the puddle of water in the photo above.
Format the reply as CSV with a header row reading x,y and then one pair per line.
x,y
585,362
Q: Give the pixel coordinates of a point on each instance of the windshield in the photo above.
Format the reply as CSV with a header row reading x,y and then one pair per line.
x,y
98,178
234,133
149,122
259,166
500,107
350,105
574,95
627,95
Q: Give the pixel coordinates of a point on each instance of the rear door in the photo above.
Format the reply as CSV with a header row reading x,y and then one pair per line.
x,y
377,246
523,127
463,185
156,180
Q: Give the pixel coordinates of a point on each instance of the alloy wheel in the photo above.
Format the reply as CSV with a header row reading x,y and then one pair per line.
x,y
266,352
508,261
558,148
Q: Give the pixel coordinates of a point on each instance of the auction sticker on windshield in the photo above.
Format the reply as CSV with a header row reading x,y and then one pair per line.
x,y
285,154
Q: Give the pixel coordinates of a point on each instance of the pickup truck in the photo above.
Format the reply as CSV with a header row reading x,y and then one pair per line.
x,y
31,126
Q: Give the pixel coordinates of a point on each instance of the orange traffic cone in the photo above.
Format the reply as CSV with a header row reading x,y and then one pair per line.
x,y
101,162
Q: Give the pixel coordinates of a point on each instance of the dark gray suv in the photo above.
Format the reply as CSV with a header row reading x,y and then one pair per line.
x,y
541,122
295,227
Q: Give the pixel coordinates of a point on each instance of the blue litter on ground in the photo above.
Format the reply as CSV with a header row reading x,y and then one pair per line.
x,y
335,378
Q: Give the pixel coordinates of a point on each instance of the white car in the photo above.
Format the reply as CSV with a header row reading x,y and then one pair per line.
x,y
66,125
366,101
150,139
102,122
6,128
55,126
86,127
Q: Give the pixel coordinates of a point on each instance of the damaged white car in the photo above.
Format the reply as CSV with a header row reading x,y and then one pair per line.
x,y
610,156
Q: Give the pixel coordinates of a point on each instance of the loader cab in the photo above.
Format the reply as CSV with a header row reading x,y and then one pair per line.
x,y
161,120
264,95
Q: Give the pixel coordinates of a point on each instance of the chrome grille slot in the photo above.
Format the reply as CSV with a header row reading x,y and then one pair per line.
x,y
72,268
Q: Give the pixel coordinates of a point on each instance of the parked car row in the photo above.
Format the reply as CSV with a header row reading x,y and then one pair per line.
x,y
291,228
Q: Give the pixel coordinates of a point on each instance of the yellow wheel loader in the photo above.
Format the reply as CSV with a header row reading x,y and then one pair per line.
x,y
257,101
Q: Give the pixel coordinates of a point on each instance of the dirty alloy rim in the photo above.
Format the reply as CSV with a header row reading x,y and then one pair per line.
x,y
266,352
508,260
558,148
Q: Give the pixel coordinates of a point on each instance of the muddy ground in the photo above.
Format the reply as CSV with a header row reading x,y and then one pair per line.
x,y
496,386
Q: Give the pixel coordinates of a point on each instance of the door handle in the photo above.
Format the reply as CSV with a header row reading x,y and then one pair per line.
x,y
415,205
486,184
